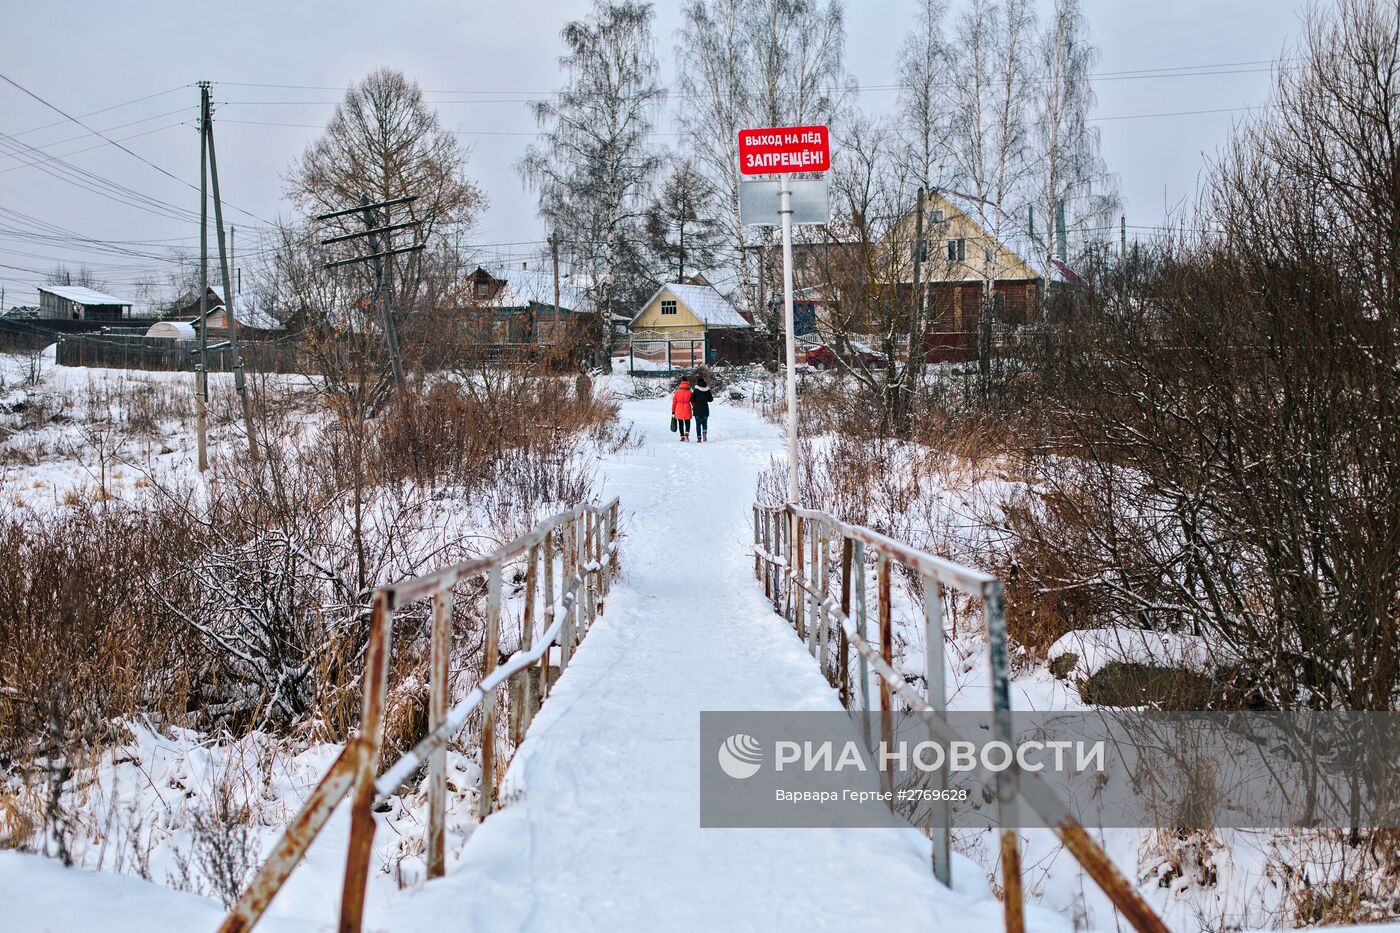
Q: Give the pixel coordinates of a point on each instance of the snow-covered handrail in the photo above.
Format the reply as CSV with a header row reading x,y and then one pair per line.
x,y
585,540
792,550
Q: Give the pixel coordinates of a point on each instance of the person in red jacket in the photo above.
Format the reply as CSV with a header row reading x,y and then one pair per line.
x,y
681,410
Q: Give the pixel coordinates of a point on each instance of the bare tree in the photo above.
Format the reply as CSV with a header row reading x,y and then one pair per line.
x,y
1070,179
595,168
384,141
988,135
924,112
1222,425
85,277
746,63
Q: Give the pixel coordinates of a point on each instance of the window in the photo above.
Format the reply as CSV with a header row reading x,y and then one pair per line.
x,y
957,250
935,217
987,254
923,251
668,306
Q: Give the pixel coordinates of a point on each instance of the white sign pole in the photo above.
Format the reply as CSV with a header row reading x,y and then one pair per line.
x,y
785,210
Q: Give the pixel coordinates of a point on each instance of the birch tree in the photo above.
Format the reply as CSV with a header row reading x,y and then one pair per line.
x,y
746,63
988,133
923,111
594,170
1069,169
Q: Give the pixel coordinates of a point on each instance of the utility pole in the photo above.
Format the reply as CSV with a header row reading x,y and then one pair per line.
x,y
391,331
239,382
201,377
1123,236
373,228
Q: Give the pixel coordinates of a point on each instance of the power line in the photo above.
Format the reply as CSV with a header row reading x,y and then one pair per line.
x,y
93,113
129,152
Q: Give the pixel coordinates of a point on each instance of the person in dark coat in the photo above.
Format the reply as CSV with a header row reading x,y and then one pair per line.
x,y
700,398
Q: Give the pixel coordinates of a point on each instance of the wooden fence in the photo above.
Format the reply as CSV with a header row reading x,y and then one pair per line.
x,y
111,351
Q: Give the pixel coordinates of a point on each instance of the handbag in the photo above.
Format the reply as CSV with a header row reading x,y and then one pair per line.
x,y
675,425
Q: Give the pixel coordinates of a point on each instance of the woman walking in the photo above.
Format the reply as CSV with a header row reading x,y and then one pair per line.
x,y
681,409
700,399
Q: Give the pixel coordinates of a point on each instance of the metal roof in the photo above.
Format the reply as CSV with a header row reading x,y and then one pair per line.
x,y
83,296
704,302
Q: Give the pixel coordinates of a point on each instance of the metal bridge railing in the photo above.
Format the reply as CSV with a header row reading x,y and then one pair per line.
x,y
585,541
794,550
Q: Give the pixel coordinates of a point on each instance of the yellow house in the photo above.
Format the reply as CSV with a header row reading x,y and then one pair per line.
x,y
686,312
673,324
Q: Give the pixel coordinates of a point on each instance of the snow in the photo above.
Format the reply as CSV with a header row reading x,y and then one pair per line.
x,y
1096,648
84,296
704,302
604,828
600,825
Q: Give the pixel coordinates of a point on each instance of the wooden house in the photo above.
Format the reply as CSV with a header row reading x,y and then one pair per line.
x,y
76,303
678,326
515,308
975,252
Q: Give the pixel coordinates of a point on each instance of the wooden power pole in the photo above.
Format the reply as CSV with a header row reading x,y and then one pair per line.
x,y
239,381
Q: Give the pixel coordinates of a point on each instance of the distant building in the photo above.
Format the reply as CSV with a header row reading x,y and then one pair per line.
x,y
678,326
76,303
251,320
974,251
516,306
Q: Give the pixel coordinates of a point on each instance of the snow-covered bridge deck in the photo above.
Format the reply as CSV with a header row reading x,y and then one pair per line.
x,y
602,827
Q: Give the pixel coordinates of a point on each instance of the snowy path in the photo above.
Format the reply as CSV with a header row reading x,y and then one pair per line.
x,y
604,833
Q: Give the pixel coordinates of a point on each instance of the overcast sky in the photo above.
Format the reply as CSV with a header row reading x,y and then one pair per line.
x,y
477,60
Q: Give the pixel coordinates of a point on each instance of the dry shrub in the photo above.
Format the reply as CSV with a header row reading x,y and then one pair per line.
x,y
82,638
455,430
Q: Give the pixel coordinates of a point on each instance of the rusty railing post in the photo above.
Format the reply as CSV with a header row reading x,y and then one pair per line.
x,y
589,576
376,684
810,571
882,579
994,611
569,534
527,641
823,619
797,561
843,648
863,631
937,695
441,651
757,543
490,649
792,530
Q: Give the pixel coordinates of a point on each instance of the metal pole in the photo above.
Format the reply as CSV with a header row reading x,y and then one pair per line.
x,y
201,404
938,700
785,211
993,609
488,702
439,655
